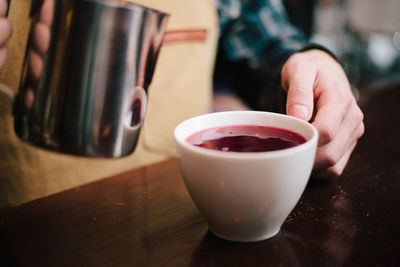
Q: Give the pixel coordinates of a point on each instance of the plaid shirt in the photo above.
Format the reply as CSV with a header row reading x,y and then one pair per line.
x,y
257,31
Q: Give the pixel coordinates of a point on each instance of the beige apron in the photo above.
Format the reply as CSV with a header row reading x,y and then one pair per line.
x,y
181,88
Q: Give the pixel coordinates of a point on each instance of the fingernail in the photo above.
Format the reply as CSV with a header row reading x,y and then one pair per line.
x,y
299,111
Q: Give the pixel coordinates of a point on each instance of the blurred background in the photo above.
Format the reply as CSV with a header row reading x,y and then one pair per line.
x,y
364,34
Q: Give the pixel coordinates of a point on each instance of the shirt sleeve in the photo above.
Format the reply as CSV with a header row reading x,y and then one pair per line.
x,y
258,32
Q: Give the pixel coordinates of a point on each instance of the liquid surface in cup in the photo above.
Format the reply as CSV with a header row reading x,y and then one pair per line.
x,y
246,138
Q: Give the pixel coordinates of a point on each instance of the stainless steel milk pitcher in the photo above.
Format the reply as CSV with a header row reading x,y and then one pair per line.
x,y
86,72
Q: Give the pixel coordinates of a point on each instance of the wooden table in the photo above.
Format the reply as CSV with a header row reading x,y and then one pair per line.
x,y
146,218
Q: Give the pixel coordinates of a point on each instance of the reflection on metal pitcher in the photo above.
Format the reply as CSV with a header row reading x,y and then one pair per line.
x,y
87,69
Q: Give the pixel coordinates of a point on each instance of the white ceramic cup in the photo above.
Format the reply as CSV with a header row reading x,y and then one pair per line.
x,y
245,196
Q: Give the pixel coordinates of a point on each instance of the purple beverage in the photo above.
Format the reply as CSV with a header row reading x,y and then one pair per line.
x,y
246,138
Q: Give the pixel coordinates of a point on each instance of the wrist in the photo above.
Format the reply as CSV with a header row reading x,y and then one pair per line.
x,y
319,48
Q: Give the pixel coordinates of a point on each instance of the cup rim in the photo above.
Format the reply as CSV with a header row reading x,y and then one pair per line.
x,y
244,155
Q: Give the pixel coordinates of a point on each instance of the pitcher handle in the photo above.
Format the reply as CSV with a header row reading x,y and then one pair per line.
x,y
35,4
8,7
3,88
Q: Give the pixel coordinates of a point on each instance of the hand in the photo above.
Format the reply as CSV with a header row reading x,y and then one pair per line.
x,y
5,33
317,87
40,39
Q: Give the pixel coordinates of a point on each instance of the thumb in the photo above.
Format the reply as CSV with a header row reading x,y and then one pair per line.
x,y
298,80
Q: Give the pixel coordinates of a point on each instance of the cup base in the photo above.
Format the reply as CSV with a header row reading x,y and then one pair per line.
x,y
244,239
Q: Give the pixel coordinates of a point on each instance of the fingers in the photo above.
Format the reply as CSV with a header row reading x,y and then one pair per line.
x,y
5,35
29,98
338,168
41,38
298,80
47,12
332,106
3,8
330,154
5,31
334,155
35,65
40,41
